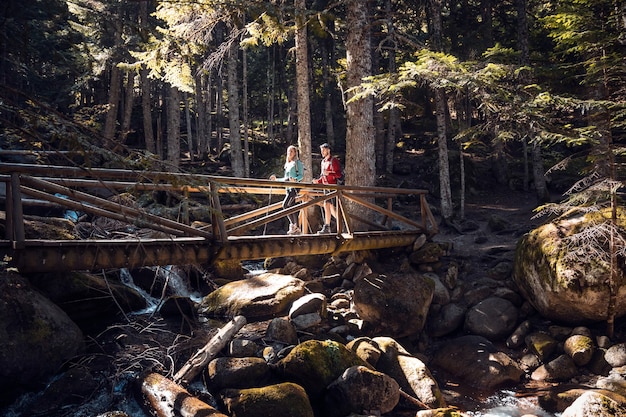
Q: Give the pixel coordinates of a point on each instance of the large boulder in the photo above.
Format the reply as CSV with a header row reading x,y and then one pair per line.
x,y
558,276
259,297
36,336
92,301
394,304
477,362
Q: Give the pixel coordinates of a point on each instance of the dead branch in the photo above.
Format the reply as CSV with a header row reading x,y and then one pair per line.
x,y
194,366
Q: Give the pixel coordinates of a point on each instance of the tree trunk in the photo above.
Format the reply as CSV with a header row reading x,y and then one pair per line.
x,y
115,86
327,87
234,122
360,142
246,139
539,175
173,128
201,120
302,89
393,124
445,190
190,146
146,111
146,97
128,106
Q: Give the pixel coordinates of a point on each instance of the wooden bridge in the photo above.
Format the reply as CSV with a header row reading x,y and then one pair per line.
x,y
158,240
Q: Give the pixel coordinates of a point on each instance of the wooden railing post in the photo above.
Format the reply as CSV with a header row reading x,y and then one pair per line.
x,y
17,217
217,217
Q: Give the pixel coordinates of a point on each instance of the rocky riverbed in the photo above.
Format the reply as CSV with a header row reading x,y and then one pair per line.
x,y
438,325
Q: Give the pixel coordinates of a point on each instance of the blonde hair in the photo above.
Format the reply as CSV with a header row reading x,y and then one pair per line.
x,y
289,148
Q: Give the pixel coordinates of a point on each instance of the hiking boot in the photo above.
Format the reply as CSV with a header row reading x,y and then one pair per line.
x,y
294,229
324,230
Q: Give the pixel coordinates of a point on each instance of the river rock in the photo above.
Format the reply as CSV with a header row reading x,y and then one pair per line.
x,y
257,297
36,336
562,368
596,404
559,288
446,320
366,349
285,400
614,382
281,330
91,301
396,305
441,295
541,344
359,390
227,372
493,318
477,362
411,372
580,348
616,355
314,364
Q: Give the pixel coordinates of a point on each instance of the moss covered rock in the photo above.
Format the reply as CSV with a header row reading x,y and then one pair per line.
x,y
563,275
279,400
259,297
315,364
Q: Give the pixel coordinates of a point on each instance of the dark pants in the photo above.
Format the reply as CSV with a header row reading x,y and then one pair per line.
x,y
290,201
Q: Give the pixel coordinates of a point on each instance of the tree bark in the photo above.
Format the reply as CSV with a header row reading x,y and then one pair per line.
x,y
169,399
246,139
234,122
128,106
201,120
115,86
360,142
302,89
173,128
202,357
146,97
445,191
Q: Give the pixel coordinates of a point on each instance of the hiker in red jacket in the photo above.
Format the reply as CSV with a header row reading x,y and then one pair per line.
x,y
330,172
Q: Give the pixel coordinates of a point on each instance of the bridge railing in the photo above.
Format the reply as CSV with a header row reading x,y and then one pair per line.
x,y
81,190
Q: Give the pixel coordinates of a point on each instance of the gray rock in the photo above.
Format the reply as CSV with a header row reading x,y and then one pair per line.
x,y
260,296
616,355
309,303
562,368
282,330
36,336
411,372
361,389
226,372
396,305
448,319
477,362
493,318
595,404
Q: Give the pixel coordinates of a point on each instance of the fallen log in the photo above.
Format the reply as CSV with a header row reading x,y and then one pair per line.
x,y
194,366
168,399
